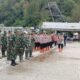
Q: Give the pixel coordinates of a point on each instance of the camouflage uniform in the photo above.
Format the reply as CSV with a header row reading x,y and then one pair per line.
x,y
4,44
19,46
9,42
11,47
29,46
11,54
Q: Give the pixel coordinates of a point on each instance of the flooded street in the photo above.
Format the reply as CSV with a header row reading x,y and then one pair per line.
x,y
54,66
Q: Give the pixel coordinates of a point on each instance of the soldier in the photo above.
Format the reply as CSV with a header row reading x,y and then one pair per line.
x,y
23,44
9,40
11,54
4,44
29,46
19,45
26,45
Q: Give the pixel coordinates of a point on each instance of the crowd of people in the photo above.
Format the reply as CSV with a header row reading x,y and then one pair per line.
x,y
45,41
15,44
22,42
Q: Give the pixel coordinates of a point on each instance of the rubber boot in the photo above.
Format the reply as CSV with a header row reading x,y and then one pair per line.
x,y
30,53
12,63
15,63
3,54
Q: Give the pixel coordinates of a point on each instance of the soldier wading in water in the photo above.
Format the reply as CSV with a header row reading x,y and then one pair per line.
x,y
4,44
19,44
29,41
11,54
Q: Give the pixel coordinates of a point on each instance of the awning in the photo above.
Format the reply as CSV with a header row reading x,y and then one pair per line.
x,y
61,26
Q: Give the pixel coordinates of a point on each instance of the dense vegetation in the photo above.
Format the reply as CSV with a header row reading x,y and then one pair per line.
x,y
33,12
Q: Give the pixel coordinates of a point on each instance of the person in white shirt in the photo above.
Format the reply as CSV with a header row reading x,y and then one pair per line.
x,y
60,42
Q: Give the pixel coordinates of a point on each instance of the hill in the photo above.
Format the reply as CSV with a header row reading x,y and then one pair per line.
x,y
33,12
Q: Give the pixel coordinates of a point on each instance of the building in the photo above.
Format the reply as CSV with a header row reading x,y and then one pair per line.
x,y
62,26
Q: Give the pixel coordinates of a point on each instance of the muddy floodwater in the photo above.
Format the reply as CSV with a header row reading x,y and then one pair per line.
x,y
54,66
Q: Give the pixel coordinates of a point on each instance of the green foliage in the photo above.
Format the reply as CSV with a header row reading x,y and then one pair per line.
x,y
76,13
32,12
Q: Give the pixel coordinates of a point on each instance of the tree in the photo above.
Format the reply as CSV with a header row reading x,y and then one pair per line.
x,y
76,13
33,12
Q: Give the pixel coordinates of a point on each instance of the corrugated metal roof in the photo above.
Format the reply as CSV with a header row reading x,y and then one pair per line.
x,y
61,26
